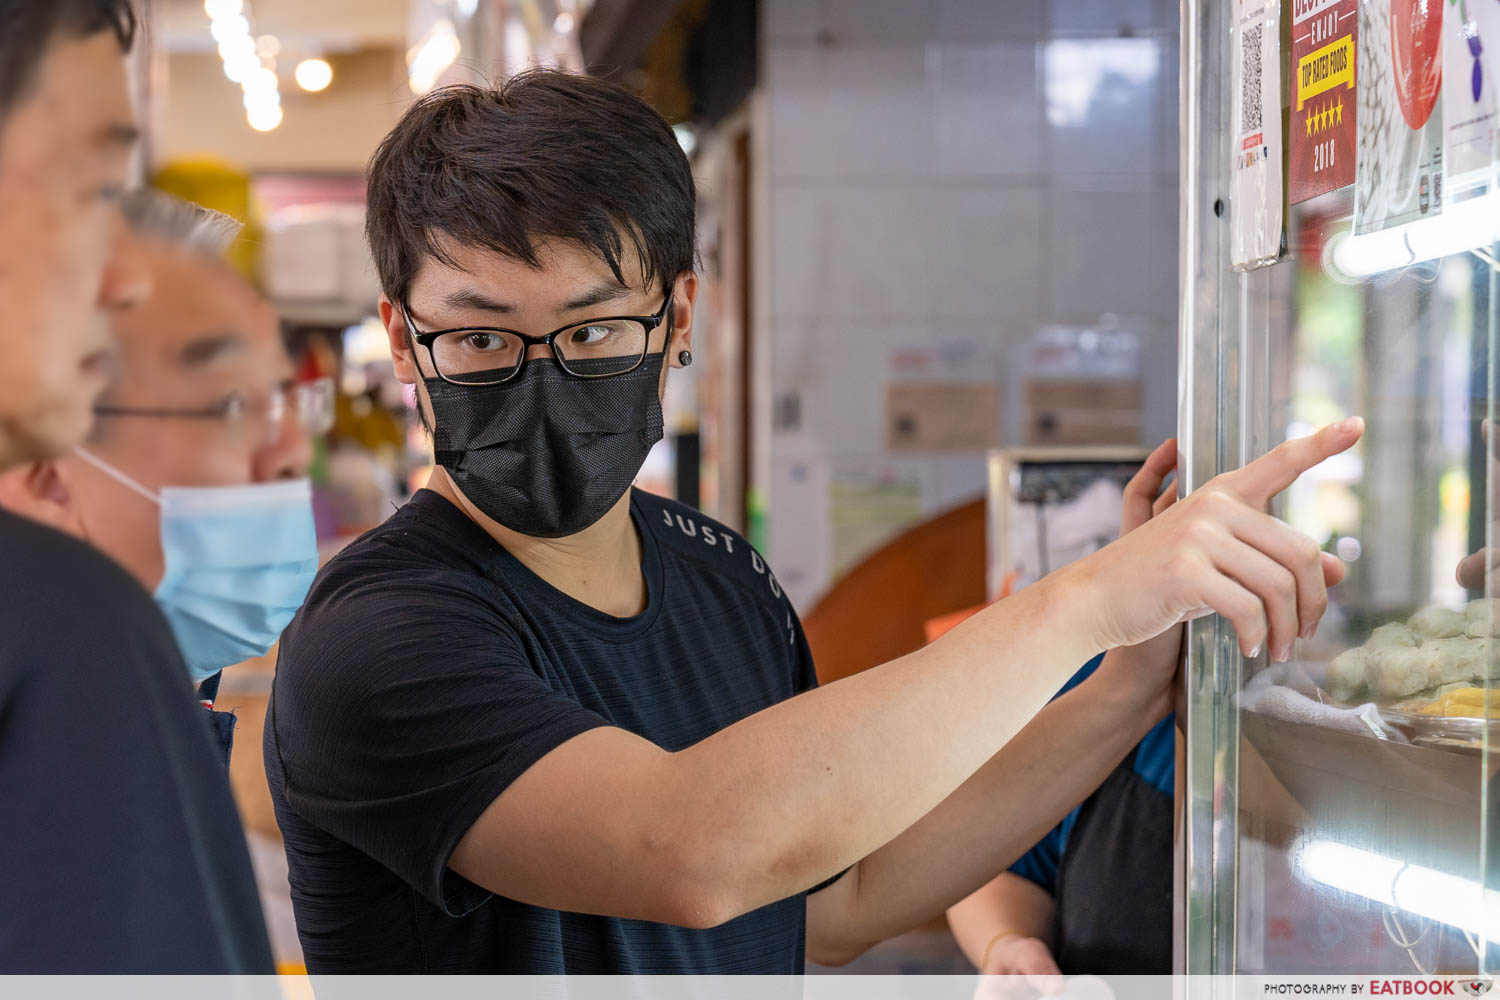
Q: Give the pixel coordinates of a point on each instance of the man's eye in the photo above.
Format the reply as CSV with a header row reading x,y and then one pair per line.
x,y
484,341
590,334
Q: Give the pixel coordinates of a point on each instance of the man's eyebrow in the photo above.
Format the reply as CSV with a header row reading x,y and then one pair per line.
x,y
605,292
121,134
470,298
203,351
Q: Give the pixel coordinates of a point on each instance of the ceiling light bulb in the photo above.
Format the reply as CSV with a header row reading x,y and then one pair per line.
x,y
225,28
314,75
261,80
264,117
217,9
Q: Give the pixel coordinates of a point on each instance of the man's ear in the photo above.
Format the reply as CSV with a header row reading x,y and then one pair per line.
x,y
41,491
684,296
394,321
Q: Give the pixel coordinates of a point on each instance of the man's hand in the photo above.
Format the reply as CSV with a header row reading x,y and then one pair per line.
x,y
1218,550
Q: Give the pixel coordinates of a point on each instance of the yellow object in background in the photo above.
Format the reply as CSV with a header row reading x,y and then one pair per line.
x,y
218,185
1469,702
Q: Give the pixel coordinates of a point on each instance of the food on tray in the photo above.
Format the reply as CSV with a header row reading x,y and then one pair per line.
x,y
1393,634
1397,671
1482,617
1433,658
1464,701
1437,622
1346,675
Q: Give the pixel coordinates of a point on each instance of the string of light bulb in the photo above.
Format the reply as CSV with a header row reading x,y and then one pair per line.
x,y
251,63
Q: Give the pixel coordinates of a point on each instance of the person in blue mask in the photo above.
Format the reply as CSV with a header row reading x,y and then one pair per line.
x,y
193,478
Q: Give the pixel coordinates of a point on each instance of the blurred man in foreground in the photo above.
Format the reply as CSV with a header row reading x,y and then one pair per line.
x,y
193,477
121,849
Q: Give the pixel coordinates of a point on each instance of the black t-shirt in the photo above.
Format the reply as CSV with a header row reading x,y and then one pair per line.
x,y
120,846
429,668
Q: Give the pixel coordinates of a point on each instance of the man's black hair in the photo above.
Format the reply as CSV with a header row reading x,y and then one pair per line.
x,y
547,155
28,28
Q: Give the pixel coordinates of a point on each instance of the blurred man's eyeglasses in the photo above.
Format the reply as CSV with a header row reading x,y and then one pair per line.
x,y
310,402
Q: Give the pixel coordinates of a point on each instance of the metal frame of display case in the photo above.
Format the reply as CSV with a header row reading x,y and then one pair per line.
x,y
1228,381
1205,935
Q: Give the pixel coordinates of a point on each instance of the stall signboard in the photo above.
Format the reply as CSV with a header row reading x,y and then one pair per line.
x,y
1321,131
1399,171
1255,192
1471,74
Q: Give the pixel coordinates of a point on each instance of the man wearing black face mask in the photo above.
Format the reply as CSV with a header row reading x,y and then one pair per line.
x,y
540,723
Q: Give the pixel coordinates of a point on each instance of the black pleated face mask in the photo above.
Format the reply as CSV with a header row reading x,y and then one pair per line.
x,y
547,454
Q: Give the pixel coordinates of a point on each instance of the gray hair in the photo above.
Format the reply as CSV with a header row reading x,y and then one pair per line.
x,y
182,223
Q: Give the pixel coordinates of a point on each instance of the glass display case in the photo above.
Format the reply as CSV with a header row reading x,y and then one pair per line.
x,y
1340,812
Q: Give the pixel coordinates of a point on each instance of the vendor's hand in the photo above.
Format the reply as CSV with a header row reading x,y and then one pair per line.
x,y
1018,965
1216,550
1155,661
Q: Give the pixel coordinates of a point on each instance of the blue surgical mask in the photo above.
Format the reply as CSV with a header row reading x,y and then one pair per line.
x,y
239,562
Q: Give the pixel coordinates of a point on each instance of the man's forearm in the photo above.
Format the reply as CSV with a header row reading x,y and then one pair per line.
x,y
780,801
810,786
1006,807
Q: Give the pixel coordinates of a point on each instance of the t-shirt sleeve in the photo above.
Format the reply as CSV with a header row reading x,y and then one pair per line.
x,y
400,717
805,671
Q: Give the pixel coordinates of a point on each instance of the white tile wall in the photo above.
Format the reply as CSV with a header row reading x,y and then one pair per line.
x,y
851,251
1109,16
988,115
1102,104
790,19
842,110
1102,257
984,19
871,19
918,193
986,253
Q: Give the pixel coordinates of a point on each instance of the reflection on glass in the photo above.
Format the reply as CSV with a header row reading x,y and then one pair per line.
x,y
1083,74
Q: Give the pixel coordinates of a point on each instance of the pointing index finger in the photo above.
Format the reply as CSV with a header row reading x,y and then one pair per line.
x,y
1278,468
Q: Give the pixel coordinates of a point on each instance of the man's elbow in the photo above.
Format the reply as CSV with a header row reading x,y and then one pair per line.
x,y
696,887
821,950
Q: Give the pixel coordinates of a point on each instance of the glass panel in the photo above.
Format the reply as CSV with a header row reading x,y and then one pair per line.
x,y
1338,806
1362,775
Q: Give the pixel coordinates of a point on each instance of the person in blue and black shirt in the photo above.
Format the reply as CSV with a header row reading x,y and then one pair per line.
x,y
1095,894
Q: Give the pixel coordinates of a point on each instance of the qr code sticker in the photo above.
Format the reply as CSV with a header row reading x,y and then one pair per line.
x,y
1250,62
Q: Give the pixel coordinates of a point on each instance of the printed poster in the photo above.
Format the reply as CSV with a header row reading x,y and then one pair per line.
x,y
1321,135
1398,176
1255,184
1471,73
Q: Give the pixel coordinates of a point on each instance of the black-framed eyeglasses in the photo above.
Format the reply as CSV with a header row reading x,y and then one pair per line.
x,y
486,355
311,401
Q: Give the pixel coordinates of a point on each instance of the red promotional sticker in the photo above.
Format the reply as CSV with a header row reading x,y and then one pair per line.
x,y
1322,134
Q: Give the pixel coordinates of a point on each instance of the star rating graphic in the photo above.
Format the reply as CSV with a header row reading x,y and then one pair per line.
x,y
1328,116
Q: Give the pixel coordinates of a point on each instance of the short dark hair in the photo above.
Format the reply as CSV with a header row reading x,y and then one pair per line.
x,y
31,26
545,155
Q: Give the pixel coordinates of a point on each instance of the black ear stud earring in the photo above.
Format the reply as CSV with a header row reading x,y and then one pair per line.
x,y
685,358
